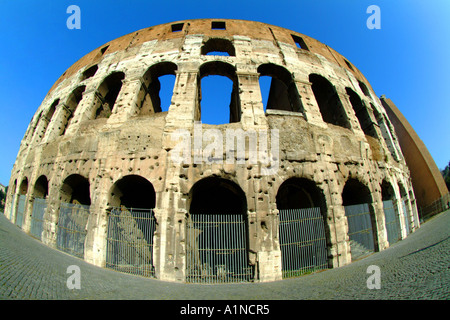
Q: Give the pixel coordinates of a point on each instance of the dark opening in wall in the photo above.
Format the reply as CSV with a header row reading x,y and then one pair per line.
x,y
72,103
103,50
283,93
218,25
355,192
177,27
90,72
157,89
76,190
219,47
328,100
41,187
362,113
108,93
133,191
349,64
217,80
299,193
299,42
364,89
387,191
214,195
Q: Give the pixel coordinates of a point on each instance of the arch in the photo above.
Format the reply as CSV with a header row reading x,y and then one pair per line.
x,y
39,206
303,232
107,92
133,191
217,195
283,93
151,90
48,117
364,88
216,233
327,98
361,113
41,187
131,226
357,201
89,72
21,202
404,199
70,107
212,113
75,190
391,215
218,46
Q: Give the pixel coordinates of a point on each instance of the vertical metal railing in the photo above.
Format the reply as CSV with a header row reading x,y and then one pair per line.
x,y
360,230
406,216
20,210
216,249
130,241
302,241
71,229
37,217
392,222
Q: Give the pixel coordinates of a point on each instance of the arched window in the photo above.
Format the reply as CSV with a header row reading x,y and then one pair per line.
x,y
75,190
217,80
218,47
107,93
283,93
157,88
362,113
302,230
216,233
69,109
328,100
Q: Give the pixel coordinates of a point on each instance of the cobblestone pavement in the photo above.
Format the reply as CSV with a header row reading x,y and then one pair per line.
x,y
416,268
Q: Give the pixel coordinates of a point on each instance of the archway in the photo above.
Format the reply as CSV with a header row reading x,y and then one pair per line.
x,y
131,226
357,202
302,231
216,233
391,215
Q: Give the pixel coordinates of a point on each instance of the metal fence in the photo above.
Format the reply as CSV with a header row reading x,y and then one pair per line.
x,y
302,241
130,241
20,210
360,230
406,216
37,217
216,249
392,222
71,229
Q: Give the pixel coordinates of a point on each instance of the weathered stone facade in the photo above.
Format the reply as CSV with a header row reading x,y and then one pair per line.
x,y
99,131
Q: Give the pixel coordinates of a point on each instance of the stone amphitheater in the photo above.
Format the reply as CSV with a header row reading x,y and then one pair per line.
x,y
99,173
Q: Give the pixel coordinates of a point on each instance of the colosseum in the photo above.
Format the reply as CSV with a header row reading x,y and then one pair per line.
x,y
310,178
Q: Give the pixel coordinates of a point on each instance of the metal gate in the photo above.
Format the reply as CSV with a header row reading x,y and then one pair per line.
x,y
71,231
302,241
37,217
406,218
360,230
130,241
216,249
20,210
392,222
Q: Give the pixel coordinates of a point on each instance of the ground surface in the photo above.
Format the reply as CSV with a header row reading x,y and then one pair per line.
x,y
416,268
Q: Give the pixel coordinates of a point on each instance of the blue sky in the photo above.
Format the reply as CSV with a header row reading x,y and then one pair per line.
x,y
408,59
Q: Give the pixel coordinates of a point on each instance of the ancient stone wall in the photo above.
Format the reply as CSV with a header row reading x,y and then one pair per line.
x,y
99,131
